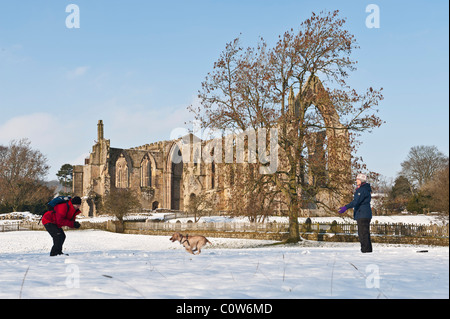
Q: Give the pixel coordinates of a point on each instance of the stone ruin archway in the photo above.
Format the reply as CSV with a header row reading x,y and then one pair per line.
x,y
335,166
175,174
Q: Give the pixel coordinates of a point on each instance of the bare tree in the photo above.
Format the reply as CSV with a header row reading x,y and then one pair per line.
x,y
22,171
255,88
422,163
251,195
200,205
3,150
438,191
120,202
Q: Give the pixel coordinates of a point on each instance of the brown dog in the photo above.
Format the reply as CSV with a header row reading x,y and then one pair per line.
x,y
191,243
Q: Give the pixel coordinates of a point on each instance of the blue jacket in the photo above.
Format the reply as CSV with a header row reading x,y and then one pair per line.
x,y
361,202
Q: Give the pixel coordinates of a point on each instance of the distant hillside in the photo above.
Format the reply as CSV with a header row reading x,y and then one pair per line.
x,y
55,184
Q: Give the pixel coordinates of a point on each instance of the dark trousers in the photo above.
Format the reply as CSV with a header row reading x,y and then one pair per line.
x,y
364,234
58,238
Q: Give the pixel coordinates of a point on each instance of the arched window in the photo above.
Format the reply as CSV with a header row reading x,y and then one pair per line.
x,y
146,172
213,171
176,178
213,175
121,172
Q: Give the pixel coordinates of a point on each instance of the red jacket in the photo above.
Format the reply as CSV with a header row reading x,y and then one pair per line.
x,y
63,215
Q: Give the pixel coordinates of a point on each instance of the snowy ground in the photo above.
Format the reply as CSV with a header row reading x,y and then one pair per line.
x,y
110,265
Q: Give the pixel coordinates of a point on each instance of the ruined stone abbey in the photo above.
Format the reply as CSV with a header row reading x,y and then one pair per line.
x,y
163,177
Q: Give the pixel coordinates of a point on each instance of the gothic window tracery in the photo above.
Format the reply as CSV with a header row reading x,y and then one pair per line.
x,y
121,172
146,172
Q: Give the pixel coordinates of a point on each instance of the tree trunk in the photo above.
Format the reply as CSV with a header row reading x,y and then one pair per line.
x,y
294,234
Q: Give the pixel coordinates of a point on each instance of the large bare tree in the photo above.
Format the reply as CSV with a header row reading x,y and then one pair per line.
x,y
22,171
279,88
422,163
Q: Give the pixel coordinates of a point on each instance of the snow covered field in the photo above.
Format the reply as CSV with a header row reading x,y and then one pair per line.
x,y
110,265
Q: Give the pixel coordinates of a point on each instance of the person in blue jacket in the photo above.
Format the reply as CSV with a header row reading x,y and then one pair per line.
x,y
362,211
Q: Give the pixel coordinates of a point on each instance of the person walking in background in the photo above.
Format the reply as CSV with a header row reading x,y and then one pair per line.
x,y
362,212
63,214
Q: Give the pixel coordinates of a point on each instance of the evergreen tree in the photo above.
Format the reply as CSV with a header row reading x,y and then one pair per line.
x,y
65,177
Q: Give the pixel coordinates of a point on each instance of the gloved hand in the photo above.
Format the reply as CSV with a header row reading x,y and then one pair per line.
x,y
342,210
76,224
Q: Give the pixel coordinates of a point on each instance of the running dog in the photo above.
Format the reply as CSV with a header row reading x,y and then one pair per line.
x,y
191,243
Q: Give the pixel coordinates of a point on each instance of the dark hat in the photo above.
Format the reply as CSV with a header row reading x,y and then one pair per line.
x,y
76,200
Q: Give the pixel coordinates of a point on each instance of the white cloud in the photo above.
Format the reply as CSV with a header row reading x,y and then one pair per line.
x,y
64,139
77,72
56,138
38,127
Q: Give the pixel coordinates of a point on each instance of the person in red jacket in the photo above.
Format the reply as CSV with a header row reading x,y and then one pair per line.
x,y
62,215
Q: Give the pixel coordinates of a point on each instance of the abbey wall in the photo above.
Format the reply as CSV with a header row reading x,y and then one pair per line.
x,y
156,172
168,174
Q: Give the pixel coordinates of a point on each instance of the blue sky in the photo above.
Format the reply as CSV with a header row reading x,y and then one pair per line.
x,y
138,64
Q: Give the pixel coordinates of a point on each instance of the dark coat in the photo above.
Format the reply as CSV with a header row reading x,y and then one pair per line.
x,y
361,202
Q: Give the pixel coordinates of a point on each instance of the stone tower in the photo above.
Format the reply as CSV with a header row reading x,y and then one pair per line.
x,y
100,133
